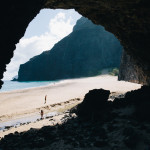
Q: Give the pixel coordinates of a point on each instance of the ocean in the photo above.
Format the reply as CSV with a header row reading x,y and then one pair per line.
x,y
14,85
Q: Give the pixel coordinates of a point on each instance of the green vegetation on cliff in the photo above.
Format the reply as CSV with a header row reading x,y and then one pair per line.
x,y
114,71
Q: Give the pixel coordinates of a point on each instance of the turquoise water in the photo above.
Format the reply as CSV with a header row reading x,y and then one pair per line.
x,y
14,85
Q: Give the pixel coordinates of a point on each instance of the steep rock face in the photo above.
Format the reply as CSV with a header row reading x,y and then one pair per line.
x,y
87,50
131,71
129,20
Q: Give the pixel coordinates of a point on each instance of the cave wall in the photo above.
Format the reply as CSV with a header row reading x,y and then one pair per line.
x,y
131,71
128,20
15,16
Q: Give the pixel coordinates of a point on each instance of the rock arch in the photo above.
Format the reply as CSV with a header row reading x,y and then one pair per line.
x,y
128,20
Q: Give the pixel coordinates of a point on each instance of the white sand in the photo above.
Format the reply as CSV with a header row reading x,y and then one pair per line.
x,y
28,100
19,103
60,108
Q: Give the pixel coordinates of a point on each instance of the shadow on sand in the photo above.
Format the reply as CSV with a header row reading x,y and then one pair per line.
x,y
123,124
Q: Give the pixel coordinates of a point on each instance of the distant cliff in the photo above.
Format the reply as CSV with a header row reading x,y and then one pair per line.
x,y
84,52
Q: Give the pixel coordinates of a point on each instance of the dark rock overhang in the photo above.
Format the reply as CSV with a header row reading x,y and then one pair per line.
x,y
128,20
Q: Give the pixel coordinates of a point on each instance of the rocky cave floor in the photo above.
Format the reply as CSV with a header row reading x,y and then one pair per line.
x,y
95,124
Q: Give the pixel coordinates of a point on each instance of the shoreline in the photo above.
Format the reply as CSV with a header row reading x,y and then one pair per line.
x,y
60,96
52,82
28,100
26,88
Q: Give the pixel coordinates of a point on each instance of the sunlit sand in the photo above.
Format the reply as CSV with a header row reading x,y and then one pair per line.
x,y
29,102
20,102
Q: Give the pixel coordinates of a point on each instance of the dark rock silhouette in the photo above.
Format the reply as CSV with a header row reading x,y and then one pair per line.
x,y
95,103
120,131
84,52
131,71
140,100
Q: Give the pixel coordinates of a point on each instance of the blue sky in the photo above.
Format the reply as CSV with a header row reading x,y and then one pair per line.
x,y
40,24
46,29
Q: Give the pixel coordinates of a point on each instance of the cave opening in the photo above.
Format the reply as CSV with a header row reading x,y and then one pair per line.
x,y
37,37
123,124
93,42
88,39
129,27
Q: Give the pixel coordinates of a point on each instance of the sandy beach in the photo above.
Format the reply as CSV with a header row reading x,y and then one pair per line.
x,y
28,102
20,102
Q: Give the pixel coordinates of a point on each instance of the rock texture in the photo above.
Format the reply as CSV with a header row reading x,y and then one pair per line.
x,y
123,124
15,17
128,20
85,52
97,101
131,71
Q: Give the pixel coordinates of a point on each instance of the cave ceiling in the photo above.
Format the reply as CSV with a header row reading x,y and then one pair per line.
x,y
128,20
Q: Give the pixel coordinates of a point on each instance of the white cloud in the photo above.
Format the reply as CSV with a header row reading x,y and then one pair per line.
x,y
58,27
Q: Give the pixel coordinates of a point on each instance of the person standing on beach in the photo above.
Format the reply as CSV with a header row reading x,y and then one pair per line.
x,y
42,113
45,99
